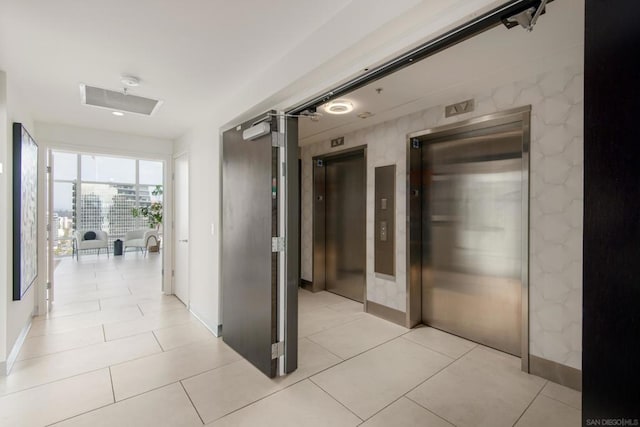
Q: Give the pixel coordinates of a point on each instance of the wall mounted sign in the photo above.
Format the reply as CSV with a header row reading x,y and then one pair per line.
x,y
459,108
337,142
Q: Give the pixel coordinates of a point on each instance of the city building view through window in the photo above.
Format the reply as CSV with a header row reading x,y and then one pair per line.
x,y
93,192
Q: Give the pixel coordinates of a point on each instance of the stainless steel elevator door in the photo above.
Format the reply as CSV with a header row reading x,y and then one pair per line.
x,y
472,235
345,226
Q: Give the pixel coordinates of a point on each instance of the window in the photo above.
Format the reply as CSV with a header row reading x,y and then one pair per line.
x,y
64,213
150,172
108,169
66,166
110,189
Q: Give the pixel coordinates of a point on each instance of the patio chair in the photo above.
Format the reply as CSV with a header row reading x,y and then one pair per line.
x,y
141,239
90,239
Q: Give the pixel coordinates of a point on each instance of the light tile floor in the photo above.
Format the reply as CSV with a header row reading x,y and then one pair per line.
x,y
115,352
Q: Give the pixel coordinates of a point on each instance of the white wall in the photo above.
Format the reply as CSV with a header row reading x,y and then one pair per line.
x,y
556,97
203,150
62,136
5,212
15,316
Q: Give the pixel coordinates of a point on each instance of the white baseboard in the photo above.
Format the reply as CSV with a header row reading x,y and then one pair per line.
x,y
214,329
13,355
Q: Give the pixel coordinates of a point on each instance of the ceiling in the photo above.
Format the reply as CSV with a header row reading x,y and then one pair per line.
x,y
189,53
213,60
209,61
488,59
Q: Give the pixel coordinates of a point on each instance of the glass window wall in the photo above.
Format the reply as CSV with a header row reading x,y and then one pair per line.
x,y
105,198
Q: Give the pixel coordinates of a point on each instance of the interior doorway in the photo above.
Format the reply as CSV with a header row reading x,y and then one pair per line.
x,y
106,233
339,218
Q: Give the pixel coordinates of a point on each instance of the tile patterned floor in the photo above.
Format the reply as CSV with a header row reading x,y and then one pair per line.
x,y
115,352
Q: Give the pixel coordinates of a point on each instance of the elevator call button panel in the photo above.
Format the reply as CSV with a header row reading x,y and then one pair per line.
x,y
383,231
384,218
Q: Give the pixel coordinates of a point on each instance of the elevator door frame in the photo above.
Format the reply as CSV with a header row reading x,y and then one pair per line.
x,y
319,220
414,210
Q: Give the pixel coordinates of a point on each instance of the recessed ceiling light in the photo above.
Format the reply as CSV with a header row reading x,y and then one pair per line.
x,y
117,113
339,106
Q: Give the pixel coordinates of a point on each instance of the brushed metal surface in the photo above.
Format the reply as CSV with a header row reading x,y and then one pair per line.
x,y
387,313
414,232
524,243
345,252
384,219
249,268
556,372
471,186
319,208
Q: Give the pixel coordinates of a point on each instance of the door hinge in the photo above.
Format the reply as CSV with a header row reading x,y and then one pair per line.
x,y
277,349
277,139
173,273
48,169
48,227
284,169
48,285
277,244
415,143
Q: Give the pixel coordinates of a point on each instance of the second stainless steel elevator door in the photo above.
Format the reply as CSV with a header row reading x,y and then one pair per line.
x,y
472,219
345,226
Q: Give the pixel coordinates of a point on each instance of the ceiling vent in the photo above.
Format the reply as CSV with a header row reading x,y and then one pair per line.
x,y
120,101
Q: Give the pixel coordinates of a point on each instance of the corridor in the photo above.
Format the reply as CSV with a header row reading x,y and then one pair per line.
x,y
115,351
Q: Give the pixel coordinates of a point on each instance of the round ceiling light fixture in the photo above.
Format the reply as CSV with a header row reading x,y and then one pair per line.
x,y
130,81
117,113
339,106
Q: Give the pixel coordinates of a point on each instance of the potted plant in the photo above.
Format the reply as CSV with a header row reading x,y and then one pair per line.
x,y
153,213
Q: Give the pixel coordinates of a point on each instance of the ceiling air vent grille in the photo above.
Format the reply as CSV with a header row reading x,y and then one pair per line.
x,y
113,100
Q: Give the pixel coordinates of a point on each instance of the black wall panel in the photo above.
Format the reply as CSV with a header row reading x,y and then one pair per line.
x,y
611,332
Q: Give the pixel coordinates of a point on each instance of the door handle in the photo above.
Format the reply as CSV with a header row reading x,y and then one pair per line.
x,y
184,241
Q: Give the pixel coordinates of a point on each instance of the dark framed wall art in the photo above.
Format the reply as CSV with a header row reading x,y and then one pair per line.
x,y
25,211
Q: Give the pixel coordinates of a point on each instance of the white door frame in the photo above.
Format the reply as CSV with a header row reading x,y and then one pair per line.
x,y
50,295
183,156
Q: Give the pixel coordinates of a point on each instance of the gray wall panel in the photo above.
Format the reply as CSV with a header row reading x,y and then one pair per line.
x,y
248,267
293,245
